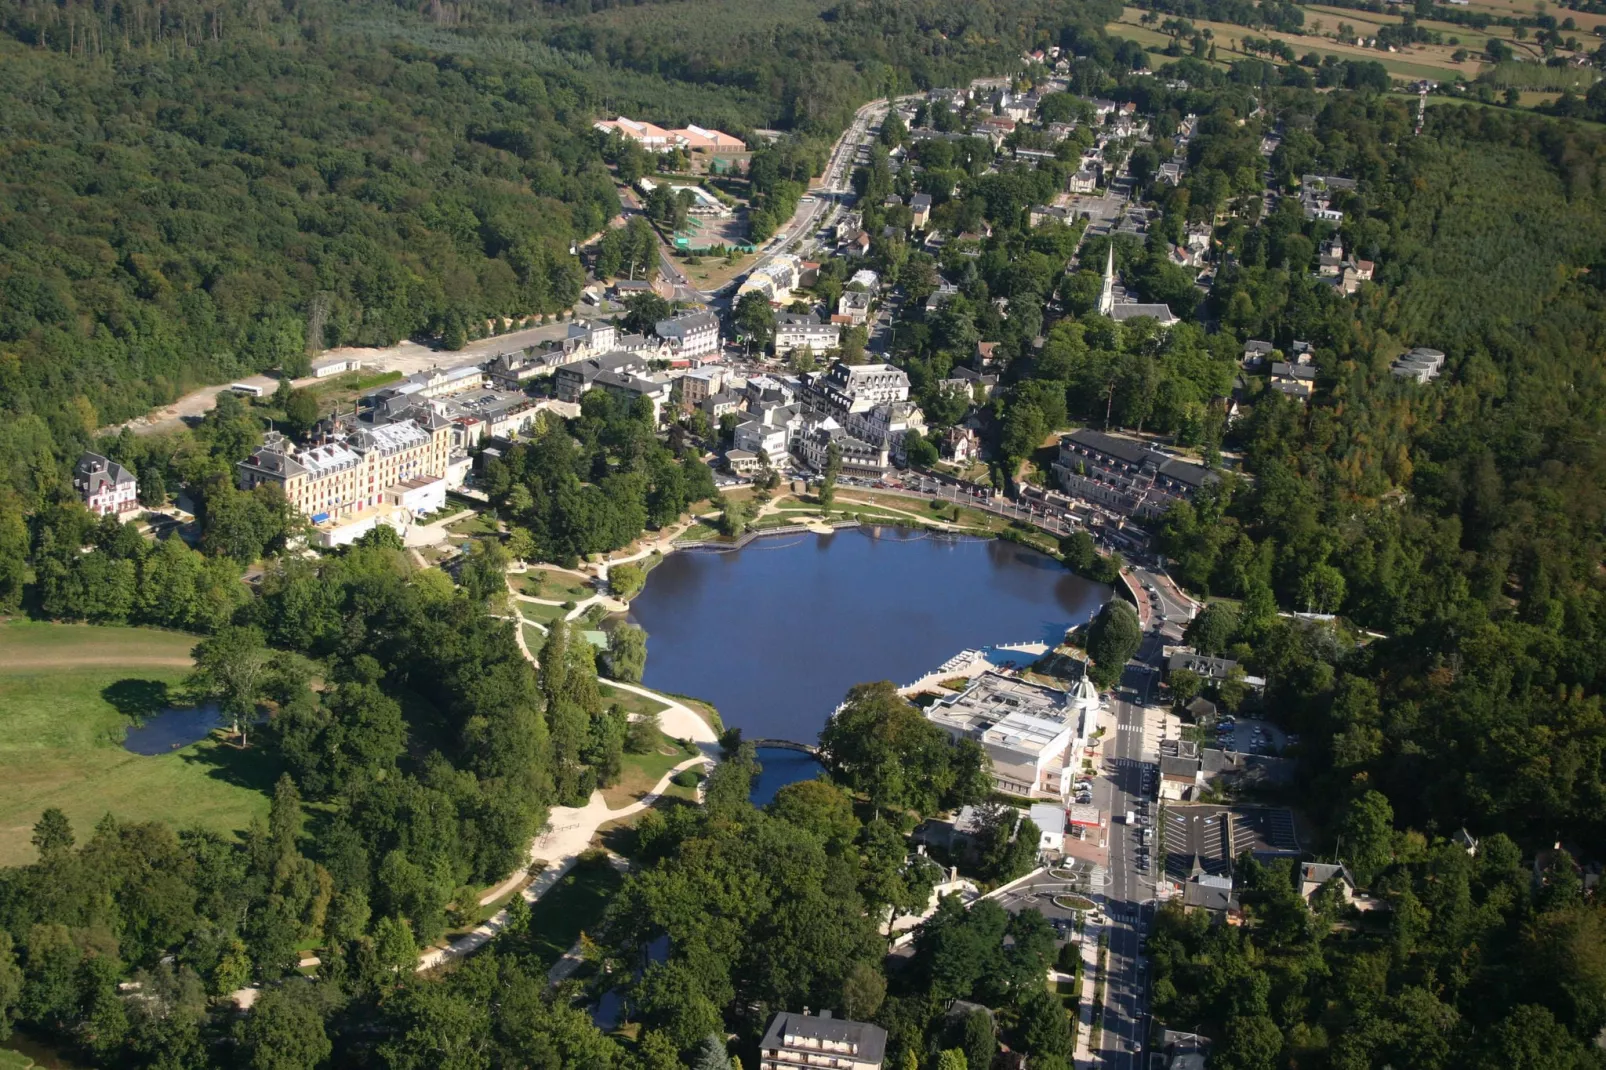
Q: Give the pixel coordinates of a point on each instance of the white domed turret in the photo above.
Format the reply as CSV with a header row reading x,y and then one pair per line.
x,y
1084,695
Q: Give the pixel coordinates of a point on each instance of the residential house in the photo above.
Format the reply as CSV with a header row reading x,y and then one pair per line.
x,y
777,278
807,1042
920,210
571,381
1180,778
1203,665
104,486
512,371
717,405
959,445
854,305
1084,181
1257,354
1313,875
1043,213
1295,380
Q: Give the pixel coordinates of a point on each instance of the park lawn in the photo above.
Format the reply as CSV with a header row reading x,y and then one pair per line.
x,y
697,532
477,525
534,638
640,773
540,612
632,702
574,905
554,586
64,690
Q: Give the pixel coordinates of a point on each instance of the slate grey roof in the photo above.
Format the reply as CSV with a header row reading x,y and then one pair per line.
x,y
869,1041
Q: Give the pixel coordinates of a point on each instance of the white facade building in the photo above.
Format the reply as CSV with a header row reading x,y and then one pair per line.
x,y
104,486
1035,735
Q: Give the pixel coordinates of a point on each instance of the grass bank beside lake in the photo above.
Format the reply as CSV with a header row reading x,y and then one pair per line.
x,y
67,694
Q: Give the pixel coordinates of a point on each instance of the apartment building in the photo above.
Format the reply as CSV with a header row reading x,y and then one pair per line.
x,y
690,334
1125,475
803,1041
798,331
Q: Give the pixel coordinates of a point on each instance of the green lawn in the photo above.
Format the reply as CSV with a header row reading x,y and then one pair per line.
x,y
574,906
632,702
534,638
541,614
477,525
67,693
555,586
641,772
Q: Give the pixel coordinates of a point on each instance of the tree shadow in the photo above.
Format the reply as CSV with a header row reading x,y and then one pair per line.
x,y
255,768
138,699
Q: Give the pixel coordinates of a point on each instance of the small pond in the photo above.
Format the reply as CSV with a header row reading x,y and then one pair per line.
x,y
174,727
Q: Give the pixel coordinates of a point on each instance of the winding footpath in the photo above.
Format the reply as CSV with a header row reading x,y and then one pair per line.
x,y
570,829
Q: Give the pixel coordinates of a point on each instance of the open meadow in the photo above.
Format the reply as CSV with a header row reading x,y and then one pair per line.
x,y
67,694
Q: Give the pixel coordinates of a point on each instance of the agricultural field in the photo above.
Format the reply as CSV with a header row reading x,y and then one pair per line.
x,y
67,694
1422,61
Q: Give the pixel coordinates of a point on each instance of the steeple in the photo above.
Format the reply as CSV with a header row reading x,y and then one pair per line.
x,y
1107,295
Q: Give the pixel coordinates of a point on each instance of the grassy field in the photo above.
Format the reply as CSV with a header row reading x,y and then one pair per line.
x,y
642,772
632,702
574,906
67,692
477,525
540,612
1424,61
556,586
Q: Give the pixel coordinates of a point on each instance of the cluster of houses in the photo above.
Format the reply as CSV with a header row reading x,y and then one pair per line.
x,y
863,410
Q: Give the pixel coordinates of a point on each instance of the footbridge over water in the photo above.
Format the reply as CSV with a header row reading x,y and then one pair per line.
x,y
784,744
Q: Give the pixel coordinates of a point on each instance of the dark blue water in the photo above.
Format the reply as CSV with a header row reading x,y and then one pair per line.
x,y
778,768
171,729
775,634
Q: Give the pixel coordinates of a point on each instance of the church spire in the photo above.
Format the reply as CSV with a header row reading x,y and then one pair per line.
x,y
1107,295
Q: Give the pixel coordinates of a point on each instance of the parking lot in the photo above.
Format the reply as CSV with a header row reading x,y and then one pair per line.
x,y
1212,836
1249,736
1191,837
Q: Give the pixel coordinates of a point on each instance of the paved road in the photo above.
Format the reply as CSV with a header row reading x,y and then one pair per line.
x,y
405,357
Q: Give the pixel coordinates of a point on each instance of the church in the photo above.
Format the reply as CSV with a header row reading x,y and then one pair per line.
x,y
1125,308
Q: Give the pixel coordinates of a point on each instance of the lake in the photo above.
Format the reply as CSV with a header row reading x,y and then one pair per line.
x,y
775,634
